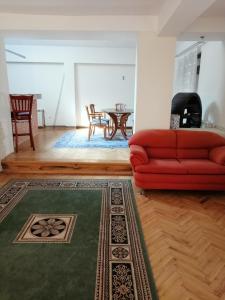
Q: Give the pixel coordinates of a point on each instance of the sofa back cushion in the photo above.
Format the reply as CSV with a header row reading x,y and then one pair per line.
x,y
160,143
156,152
192,139
181,144
193,153
197,144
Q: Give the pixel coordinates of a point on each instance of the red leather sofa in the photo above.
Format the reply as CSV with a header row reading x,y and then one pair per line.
x,y
178,159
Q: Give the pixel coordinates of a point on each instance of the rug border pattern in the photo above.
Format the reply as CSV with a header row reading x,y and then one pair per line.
x,y
143,284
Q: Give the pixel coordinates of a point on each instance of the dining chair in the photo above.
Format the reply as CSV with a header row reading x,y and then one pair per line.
x,y
21,112
101,114
95,120
120,106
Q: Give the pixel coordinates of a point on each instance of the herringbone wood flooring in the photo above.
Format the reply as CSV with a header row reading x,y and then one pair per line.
x,y
185,236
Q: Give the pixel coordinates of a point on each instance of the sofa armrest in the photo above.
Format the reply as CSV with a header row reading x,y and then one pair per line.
x,y
138,155
218,155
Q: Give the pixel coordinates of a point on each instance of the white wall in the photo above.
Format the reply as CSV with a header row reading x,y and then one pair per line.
x,y
154,74
6,143
41,78
49,70
211,86
104,85
155,69
37,53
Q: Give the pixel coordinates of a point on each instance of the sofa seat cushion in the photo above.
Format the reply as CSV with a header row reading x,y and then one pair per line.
x,y
202,166
162,166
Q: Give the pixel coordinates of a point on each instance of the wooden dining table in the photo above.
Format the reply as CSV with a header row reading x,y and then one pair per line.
x,y
119,119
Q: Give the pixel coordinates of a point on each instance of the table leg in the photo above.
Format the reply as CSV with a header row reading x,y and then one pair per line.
x,y
115,124
123,121
119,122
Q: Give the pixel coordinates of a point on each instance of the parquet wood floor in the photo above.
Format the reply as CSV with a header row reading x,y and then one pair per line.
x,y
185,237
45,151
77,161
49,160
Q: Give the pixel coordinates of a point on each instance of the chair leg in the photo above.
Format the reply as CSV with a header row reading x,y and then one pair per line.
x,y
89,132
104,132
15,134
108,129
93,129
31,135
110,126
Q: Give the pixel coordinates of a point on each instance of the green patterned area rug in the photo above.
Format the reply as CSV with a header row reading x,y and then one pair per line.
x,y
73,240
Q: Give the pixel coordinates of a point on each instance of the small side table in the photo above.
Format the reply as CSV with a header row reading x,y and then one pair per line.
x,y
42,112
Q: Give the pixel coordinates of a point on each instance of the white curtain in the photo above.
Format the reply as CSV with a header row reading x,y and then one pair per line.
x,y
186,72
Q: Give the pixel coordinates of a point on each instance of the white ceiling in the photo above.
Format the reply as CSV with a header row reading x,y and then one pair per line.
x,y
94,7
97,7
216,10
83,7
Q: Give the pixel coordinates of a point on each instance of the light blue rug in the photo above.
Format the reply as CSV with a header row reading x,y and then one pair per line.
x,y
73,139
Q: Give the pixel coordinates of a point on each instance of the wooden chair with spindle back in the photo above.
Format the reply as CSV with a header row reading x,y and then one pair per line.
x,y
96,120
98,113
21,106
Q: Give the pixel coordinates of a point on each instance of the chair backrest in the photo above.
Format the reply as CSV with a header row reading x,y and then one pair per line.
x,y
21,103
92,108
88,113
120,106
